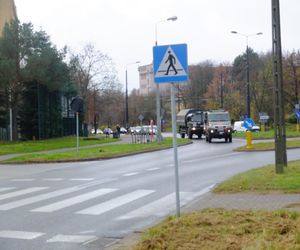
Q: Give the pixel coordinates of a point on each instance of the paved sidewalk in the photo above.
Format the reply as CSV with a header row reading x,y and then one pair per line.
x,y
244,201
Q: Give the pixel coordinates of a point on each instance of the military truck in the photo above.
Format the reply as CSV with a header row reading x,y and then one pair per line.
x,y
217,124
190,122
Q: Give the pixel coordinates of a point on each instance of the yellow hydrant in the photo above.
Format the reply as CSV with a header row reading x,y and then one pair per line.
x,y
249,140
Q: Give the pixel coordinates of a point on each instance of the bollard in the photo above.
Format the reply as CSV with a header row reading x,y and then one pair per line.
x,y
297,127
249,140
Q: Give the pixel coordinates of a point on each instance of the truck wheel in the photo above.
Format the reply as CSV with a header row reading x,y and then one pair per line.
x,y
182,136
199,136
190,135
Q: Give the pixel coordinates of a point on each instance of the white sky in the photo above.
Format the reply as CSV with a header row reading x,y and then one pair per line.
x,y
125,29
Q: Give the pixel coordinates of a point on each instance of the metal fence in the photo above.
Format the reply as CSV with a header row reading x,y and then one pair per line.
x,y
4,134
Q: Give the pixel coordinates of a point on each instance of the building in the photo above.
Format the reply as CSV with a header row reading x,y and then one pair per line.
x,y
147,84
7,12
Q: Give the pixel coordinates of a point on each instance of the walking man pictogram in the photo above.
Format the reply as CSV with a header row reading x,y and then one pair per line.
x,y
172,60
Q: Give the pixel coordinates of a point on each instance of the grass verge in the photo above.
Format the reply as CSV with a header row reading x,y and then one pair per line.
x,y
101,152
264,180
262,146
43,145
223,229
266,134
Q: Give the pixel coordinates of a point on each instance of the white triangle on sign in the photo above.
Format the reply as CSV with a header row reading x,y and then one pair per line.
x,y
170,65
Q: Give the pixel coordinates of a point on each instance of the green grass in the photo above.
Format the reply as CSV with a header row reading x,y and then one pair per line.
x,y
43,145
223,229
101,152
264,180
261,146
266,134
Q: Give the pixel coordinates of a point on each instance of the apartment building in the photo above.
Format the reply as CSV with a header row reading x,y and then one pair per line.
x,y
7,12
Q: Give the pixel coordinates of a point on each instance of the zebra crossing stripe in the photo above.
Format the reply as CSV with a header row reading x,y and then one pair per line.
x,y
72,201
72,238
38,198
22,235
114,203
21,192
163,205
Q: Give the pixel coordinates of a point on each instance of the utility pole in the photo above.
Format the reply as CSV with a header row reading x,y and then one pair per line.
x,y
222,91
279,125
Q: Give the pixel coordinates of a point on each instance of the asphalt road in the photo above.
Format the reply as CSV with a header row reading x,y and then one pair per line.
x,y
89,205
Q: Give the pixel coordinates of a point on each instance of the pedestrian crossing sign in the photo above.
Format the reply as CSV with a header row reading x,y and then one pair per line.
x,y
170,63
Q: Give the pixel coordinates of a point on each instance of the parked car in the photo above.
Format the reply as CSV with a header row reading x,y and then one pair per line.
x,y
239,127
123,130
107,131
98,131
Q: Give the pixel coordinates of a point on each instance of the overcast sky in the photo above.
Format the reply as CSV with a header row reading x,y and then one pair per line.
x,y
125,29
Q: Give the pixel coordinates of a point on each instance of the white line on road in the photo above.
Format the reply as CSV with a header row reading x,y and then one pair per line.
x,y
21,192
38,198
82,179
72,238
152,169
114,203
159,207
23,180
72,201
164,205
22,235
131,174
53,179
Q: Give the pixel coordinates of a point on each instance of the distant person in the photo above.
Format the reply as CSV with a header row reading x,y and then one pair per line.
x,y
118,129
172,60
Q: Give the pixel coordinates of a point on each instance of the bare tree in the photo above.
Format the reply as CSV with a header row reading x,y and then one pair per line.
x,y
94,73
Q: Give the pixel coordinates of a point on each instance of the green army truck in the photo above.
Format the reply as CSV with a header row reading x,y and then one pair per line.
x,y
190,122
217,124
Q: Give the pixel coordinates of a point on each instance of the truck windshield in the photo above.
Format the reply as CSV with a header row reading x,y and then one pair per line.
x,y
197,118
218,117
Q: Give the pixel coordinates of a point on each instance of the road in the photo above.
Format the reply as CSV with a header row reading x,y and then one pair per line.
x,y
89,205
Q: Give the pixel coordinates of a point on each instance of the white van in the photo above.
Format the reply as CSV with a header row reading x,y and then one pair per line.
x,y
239,127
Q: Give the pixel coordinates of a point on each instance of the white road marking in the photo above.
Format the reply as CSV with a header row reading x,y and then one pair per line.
x,y
114,203
23,235
6,189
38,198
72,238
21,192
152,169
53,179
131,174
72,201
22,180
82,179
164,205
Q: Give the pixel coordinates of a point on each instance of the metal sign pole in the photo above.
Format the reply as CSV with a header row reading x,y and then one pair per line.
x,y
77,129
173,107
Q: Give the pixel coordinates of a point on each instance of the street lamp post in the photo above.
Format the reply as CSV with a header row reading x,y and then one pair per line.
x,y
247,69
126,93
158,118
